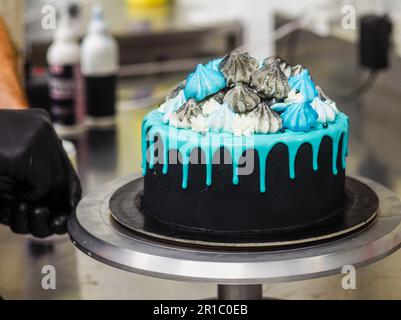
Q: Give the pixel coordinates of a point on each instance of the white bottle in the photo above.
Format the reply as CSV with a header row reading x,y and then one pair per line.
x,y
99,66
65,81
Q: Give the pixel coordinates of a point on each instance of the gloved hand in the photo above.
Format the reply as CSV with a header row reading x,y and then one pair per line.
x,y
38,185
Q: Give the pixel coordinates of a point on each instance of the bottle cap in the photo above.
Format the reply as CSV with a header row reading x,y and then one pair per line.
x,y
64,30
97,23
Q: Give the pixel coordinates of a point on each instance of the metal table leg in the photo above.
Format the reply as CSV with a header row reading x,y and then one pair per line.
x,y
239,292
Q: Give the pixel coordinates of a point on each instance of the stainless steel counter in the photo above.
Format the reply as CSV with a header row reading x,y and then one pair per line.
x,y
375,152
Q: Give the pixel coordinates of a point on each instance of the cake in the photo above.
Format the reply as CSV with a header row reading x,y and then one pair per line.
x,y
245,147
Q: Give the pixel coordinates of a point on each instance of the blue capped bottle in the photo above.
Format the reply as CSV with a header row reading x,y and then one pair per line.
x,y
99,65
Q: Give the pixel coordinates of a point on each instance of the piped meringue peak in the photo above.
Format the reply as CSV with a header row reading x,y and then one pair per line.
x,y
288,70
238,95
238,67
265,120
183,116
270,82
304,84
203,82
241,98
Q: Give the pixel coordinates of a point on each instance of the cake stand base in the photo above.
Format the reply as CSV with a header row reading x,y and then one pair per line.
x,y
239,273
240,292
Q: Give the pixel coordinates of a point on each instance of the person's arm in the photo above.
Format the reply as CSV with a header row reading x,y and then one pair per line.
x,y
11,93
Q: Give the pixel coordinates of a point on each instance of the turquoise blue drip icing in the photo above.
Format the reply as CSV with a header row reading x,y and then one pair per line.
x,y
335,144
151,150
185,141
209,160
165,155
144,145
315,155
345,146
237,149
263,153
292,154
186,154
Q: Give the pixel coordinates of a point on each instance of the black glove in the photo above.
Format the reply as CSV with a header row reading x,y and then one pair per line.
x,y
38,185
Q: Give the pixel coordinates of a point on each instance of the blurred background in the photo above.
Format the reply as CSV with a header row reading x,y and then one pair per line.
x,y
352,49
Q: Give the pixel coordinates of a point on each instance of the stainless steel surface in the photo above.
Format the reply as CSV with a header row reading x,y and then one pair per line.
x,y
240,292
93,232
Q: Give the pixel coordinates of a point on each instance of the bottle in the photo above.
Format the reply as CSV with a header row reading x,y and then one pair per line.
x,y
99,66
65,81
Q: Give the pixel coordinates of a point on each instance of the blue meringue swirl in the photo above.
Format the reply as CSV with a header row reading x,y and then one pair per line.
x,y
304,84
299,117
203,82
214,64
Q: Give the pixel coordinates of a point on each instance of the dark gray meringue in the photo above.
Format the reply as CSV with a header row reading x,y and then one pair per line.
x,y
270,82
241,98
287,68
238,67
188,110
182,117
265,119
176,90
218,96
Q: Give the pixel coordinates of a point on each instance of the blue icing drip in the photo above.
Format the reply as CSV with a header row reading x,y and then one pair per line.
x,y
186,154
263,154
299,117
151,149
336,142
345,146
214,64
211,151
293,148
209,161
315,155
203,82
185,141
239,145
165,142
304,84
144,145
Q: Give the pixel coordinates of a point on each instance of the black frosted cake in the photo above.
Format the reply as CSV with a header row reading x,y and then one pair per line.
x,y
245,147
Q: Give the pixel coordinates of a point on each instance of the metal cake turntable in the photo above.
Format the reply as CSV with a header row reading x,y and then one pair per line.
x,y
109,227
